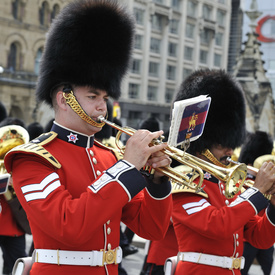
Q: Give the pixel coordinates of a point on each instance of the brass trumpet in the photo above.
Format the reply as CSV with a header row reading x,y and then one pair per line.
x,y
10,137
253,170
235,176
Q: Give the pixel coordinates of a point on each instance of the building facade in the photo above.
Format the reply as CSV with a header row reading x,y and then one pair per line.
x,y
173,37
23,25
266,31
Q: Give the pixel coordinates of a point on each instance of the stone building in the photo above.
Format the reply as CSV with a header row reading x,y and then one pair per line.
x,y
173,37
23,25
260,112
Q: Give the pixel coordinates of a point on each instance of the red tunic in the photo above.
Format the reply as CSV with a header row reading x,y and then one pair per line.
x,y
79,207
8,227
216,226
160,250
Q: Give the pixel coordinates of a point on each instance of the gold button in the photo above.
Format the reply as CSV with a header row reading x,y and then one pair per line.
x,y
94,161
109,246
91,153
109,230
108,222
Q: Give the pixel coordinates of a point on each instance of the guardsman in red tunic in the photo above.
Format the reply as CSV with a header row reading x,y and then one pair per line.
x,y
210,228
74,190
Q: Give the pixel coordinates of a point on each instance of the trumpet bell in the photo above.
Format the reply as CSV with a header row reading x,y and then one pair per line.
x,y
10,137
236,176
265,158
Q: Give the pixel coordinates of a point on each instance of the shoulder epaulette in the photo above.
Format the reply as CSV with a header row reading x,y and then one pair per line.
x,y
179,188
35,146
115,151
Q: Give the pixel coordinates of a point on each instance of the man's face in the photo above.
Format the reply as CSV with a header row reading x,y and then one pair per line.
x,y
221,153
93,102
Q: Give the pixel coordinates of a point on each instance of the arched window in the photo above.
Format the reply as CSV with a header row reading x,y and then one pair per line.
x,y
17,9
14,57
37,60
44,14
55,11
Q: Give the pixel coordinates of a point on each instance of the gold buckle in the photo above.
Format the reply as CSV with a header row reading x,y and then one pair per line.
x,y
236,263
109,256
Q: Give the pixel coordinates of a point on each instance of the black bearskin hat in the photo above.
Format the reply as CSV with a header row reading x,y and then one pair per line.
x,y
225,122
256,144
35,129
88,44
151,124
3,111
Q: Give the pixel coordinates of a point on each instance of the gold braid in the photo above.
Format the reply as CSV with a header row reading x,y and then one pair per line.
x,y
72,102
211,157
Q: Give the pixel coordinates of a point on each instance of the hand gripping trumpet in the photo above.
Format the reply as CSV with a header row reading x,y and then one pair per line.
x,y
253,170
235,175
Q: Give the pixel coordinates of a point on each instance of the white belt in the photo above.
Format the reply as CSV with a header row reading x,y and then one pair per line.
x,y
89,258
219,261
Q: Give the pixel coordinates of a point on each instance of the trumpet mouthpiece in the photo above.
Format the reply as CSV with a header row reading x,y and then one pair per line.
x,y
101,118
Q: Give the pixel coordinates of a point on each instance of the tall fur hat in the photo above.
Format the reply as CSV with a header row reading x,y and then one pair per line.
x,y
3,111
88,44
151,124
256,144
225,122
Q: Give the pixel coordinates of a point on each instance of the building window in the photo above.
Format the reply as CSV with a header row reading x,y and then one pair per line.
x,y
157,22
188,53
207,12
169,93
191,8
176,4
154,69
138,42
152,93
220,17
44,14
217,60
155,45
222,1
134,119
136,66
174,26
139,16
203,56
17,9
14,57
55,11
206,36
171,72
37,60
186,72
190,30
133,90
158,1
219,39
172,49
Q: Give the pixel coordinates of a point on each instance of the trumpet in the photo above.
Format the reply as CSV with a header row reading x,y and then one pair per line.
x,y
253,170
10,137
235,176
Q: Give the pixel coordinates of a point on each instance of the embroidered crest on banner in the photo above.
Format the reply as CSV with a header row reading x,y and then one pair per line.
x,y
72,138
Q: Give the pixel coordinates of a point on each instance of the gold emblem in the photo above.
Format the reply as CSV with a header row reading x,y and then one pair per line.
x,y
109,257
236,263
192,122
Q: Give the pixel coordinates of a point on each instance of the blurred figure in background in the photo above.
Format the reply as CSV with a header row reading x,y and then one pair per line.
x,y
256,144
3,111
12,233
35,129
